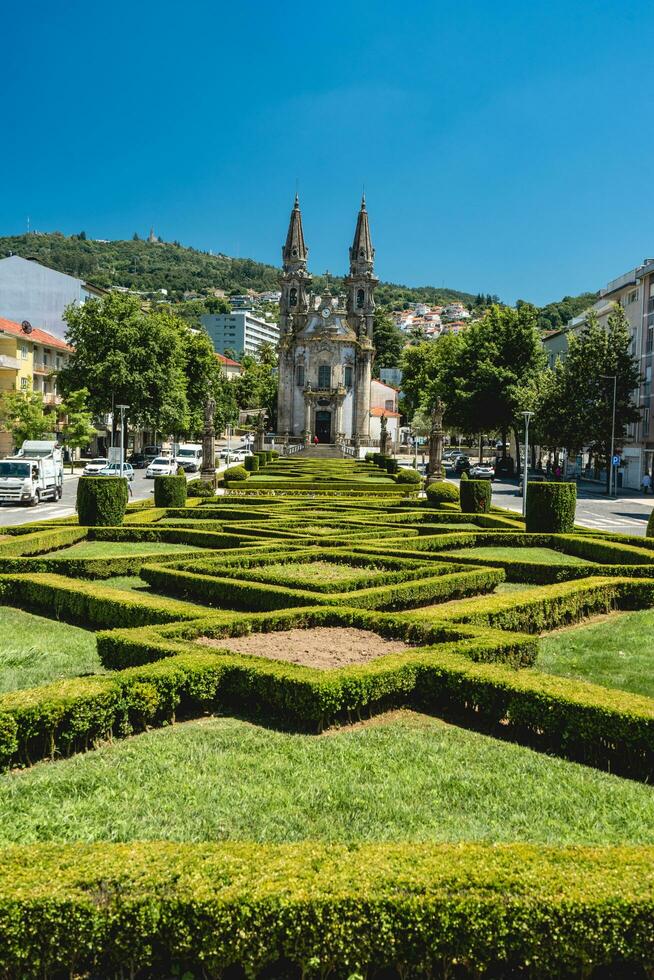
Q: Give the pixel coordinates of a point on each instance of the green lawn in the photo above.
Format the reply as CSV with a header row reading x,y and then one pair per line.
x,y
310,573
616,652
36,651
406,777
111,549
544,556
131,582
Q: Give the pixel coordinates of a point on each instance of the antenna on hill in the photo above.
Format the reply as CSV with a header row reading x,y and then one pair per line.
x,y
28,224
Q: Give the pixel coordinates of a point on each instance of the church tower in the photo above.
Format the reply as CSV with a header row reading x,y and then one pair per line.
x,y
325,347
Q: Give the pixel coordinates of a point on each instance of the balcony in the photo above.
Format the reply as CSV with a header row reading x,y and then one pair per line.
x,y
9,363
40,367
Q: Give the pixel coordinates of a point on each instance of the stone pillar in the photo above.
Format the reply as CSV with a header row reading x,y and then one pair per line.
x,y
260,433
208,471
307,421
364,380
435,467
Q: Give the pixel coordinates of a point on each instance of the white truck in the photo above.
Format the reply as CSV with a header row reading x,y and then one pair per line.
x,y
35,473
188,455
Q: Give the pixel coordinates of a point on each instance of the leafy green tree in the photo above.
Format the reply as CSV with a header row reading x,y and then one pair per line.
x,y
496,374
388,341
22,414
427,369
256,387
78,425
132,355
203,374
575,404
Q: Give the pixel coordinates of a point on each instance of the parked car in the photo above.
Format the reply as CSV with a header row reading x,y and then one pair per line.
x,y
482,471
461,463
234,455
189,457
94,466
139,461
151,452
113,469
161,466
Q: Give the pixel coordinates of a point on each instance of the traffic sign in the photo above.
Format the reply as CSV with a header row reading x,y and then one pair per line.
x,y
616,461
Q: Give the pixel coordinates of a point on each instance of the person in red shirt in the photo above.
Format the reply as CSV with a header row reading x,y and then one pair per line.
x,y
315,440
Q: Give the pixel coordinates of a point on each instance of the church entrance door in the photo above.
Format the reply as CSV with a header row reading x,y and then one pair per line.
x,y
324,426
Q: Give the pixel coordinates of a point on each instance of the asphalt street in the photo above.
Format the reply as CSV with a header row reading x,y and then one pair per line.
x,y
12,514
623,514
627,514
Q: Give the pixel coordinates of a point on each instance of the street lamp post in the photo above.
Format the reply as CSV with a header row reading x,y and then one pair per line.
x,y
122,409
612,473
527,416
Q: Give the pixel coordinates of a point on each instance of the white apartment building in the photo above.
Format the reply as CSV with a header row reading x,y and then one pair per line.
x,y
239,331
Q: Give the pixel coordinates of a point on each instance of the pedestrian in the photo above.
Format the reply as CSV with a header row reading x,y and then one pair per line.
x,y
557,472
646,482
316,440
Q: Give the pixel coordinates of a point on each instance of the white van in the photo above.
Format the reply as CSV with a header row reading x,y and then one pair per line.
x,y
189,456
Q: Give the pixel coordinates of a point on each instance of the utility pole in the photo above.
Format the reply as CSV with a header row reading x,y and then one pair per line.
x,y
122,409
612,473
527,416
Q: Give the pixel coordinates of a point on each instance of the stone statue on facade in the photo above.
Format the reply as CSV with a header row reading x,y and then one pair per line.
x,y
435,470
208,471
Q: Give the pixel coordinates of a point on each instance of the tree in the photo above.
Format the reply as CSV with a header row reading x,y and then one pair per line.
x,y
256,387
388,341
82,236
203,375
575,405
22,413
426,372
125,354
496,373
78,426
136,237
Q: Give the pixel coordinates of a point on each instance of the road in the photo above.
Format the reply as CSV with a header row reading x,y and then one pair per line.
x,y
622,515
12,514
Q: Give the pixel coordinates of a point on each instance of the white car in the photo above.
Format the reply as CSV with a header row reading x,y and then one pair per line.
x,y
161,466
94,466
482,472
234,455
113,469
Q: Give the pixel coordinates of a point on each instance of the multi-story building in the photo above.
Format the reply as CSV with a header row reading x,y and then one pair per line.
x,y
634,291
29,361
33,292
229,368
239,331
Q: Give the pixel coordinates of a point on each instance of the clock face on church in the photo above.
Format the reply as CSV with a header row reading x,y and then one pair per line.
x,y
326,312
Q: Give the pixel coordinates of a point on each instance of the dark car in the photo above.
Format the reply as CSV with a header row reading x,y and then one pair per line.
x,y
461,463
138,460
151,452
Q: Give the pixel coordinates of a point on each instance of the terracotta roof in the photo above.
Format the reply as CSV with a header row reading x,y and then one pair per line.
x,y
36,335
377,413
227,361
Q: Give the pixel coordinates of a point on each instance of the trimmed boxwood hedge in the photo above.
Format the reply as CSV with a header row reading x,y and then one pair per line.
x,y
551,507
251,463
235,473
200,488
169,491
101,500
162,909
441,492
405,475
475,496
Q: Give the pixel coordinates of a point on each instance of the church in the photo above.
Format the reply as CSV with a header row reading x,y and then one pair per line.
x,y
326,345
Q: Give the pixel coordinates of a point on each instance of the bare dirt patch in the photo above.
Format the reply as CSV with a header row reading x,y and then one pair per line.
x,y
324,647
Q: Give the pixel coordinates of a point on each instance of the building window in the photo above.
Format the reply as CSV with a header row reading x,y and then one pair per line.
x,y
23,351
389,405
324,376
348,377
633,296
645,423
292,296
650,338
361,296
23,384
299,375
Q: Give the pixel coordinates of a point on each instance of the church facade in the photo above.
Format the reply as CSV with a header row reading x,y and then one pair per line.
x,y
326,346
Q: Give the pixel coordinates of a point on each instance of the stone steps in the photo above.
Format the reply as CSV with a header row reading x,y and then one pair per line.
x,y
324,450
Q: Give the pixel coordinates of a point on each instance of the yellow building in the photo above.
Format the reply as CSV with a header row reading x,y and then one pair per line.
x,y
29,361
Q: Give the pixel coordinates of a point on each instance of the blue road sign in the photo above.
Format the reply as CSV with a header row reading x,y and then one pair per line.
x,y
616,460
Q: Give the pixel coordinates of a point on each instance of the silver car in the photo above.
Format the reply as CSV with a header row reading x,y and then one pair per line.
x,y
113,469
94,466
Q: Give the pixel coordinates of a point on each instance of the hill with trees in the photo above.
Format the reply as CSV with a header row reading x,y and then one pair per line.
x,y
148,267
556,315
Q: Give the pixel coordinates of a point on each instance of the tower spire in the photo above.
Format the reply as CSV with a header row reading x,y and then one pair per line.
x,y
362,253
295,252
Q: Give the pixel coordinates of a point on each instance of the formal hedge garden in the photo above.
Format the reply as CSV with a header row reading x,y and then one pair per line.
x,y
314,600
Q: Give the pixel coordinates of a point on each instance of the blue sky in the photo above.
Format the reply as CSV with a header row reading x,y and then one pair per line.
x,y
505,146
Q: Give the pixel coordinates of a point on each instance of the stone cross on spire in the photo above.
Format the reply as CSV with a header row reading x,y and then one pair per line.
x,y
362,253
294,252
